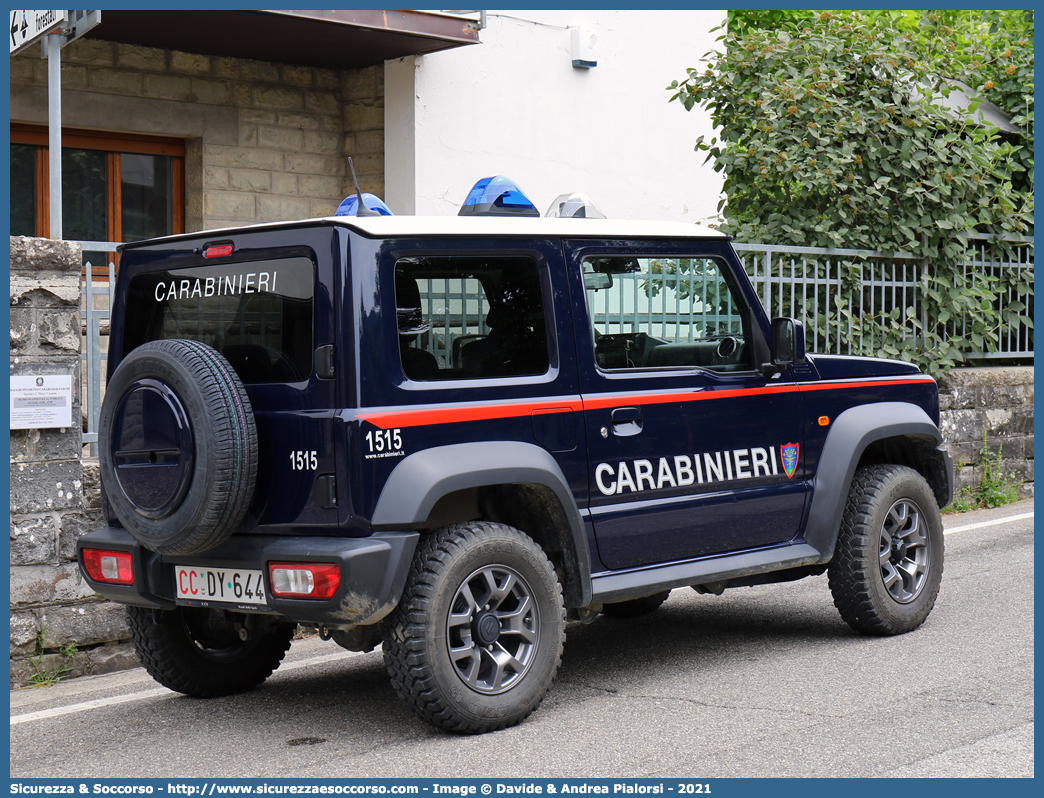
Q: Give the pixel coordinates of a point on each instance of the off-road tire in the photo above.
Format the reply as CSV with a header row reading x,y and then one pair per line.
x,y
888,564
633,607
216,460
180,652
476,571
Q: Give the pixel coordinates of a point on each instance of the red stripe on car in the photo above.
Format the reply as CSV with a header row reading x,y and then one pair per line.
x,y
454,414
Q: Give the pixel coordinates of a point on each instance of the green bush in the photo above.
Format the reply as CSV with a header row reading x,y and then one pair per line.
x,y
831,133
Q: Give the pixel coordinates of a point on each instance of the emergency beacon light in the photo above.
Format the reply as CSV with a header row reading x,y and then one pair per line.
x,y
497,196
574,206
349,205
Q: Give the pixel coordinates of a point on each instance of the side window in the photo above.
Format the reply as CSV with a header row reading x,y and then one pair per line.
x,y
665,313
465,317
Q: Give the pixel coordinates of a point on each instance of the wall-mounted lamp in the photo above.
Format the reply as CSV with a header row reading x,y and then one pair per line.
x,y
583,49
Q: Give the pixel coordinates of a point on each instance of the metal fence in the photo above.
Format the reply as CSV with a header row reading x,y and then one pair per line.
x,y
792,281
677,300
1015,340
456,308
99,279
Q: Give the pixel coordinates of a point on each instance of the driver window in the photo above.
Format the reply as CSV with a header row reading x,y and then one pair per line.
x,y
649,313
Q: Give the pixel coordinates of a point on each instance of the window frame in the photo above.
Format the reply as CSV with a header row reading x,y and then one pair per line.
x,y
738,298
149,325
548,317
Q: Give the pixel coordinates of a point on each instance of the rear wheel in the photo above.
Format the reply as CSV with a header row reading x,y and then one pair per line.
x,y
888,563
477,637
207,653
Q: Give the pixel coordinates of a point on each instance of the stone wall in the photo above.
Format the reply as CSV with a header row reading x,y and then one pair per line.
x,y
54,496
264,142
996,403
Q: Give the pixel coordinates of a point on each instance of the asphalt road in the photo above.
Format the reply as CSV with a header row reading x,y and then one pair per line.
x,y
759,682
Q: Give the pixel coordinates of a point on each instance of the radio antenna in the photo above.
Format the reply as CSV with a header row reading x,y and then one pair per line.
x,y
360,207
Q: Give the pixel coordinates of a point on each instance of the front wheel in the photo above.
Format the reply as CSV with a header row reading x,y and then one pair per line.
x,y
477,637
207,653
888,563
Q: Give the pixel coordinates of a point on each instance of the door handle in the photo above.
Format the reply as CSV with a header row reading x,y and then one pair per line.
x,y
626,421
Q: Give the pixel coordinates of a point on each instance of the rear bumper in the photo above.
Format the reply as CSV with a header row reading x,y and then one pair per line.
x,y
373,573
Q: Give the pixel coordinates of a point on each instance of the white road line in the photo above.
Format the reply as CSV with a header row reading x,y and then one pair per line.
x,y
55,712
982,524
100,703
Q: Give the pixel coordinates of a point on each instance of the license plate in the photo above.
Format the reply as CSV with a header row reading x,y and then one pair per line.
x,y
219,584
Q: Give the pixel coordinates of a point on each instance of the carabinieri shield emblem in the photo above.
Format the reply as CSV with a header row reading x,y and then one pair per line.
x,y
789,455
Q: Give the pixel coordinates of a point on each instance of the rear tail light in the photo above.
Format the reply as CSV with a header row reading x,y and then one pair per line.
x,y
306,580
114,567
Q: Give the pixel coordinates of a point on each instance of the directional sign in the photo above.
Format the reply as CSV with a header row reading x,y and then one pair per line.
x,y
79,23
28,26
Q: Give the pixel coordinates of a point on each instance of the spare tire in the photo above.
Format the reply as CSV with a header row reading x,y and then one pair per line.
x,y
177,446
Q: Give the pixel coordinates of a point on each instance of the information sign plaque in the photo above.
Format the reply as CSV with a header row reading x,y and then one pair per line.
x,y
41,401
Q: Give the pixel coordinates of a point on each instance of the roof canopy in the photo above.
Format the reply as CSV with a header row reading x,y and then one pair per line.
x,y
339,39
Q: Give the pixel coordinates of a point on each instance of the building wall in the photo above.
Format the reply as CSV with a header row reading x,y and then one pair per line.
x,y
265,142
514,105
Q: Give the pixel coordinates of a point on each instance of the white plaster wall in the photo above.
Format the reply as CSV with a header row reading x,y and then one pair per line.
x,y
514,105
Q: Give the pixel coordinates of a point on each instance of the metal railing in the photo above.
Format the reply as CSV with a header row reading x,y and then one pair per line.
x,y
804,281
677,305
1016,340
792,281
95,303
456,309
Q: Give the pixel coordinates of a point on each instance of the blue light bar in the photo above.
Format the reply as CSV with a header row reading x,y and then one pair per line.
x,y
497,196
371,201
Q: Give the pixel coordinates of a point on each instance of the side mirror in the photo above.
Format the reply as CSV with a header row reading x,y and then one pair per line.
x,y
788,345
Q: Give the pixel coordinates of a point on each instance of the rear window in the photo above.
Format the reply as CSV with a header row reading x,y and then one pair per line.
x,y
258,315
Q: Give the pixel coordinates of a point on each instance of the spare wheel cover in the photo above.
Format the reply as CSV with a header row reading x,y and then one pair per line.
x,y
178,449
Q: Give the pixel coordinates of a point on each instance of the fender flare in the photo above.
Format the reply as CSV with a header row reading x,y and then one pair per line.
x,y
850,434
421,479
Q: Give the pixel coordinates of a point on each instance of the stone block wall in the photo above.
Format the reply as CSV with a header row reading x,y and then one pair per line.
x,y
996,403
265,142
54,494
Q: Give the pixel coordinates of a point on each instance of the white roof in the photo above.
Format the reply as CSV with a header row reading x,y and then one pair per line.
x,y
389,226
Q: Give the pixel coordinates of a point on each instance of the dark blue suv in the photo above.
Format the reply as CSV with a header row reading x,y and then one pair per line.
x,y
451,436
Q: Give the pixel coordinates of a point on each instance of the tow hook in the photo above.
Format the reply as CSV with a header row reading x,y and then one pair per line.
x,y
324,633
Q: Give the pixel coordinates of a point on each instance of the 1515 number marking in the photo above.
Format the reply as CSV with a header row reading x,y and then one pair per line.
x,y
303,461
